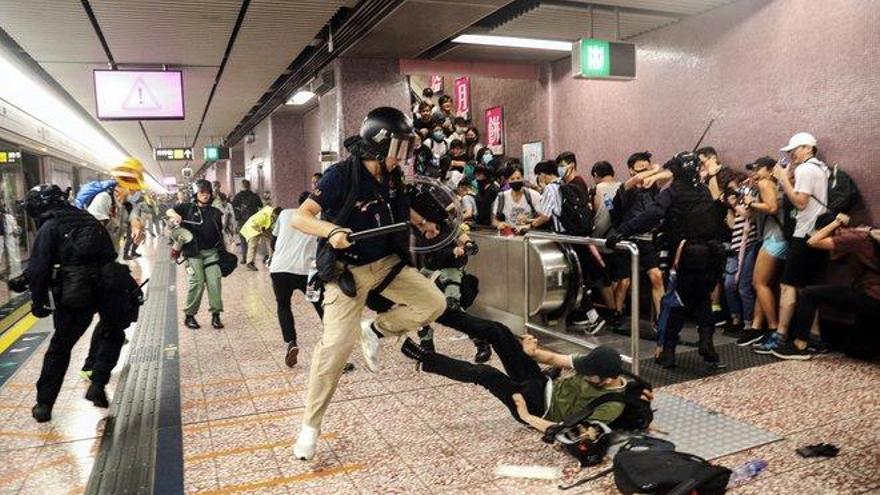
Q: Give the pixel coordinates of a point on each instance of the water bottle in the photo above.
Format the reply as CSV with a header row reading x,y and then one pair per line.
x,y
744,472
313,293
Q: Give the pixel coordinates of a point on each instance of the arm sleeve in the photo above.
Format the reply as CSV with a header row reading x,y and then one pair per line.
x,y
607,412
100,206
808,180
181,209
649,218
329,192
848,241
39,270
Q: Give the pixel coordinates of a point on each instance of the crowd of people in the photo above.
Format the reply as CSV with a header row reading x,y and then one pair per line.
x,y
740,249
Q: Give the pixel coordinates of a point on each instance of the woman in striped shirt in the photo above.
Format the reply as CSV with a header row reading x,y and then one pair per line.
x,y
741,255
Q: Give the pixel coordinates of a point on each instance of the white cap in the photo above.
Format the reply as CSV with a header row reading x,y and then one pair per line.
x,y
800,139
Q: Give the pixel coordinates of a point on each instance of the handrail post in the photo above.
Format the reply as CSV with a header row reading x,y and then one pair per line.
x,y
631,247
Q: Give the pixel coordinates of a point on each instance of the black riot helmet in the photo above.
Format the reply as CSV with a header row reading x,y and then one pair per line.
x,y
43,198
685,167
386,132
203,185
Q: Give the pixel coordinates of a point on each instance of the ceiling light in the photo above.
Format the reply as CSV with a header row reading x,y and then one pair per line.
x,y
507,41
301,97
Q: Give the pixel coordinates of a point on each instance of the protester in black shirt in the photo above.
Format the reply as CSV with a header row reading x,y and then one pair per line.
x,y
487,192
205,223
245,204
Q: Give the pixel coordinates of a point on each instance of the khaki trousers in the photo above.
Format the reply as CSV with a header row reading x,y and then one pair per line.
x,y
417,300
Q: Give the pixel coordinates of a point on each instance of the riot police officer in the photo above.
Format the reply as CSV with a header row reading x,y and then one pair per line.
x,y
69,254
694,223
364,191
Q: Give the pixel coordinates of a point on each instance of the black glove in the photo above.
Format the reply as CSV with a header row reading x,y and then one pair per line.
x,y
452,304
818,450
40,311
612,240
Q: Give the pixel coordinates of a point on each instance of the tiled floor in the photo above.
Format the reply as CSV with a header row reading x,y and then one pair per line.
x,y
400,431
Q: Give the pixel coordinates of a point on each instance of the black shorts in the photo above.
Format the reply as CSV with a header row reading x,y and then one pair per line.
x,y
620,260
803,264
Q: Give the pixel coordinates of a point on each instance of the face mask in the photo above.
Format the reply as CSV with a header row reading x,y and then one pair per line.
x,y
516,185
487,158
470,140
438,136
562,171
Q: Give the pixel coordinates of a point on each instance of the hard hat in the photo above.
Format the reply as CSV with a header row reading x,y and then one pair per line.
x,y
130,174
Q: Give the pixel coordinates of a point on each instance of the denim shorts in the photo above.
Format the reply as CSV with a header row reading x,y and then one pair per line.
x,y
778,248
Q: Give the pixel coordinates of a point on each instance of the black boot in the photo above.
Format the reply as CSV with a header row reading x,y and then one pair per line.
x,y
484,351
412,350
42,413
706,348
215,321
97,395
666,359
190,322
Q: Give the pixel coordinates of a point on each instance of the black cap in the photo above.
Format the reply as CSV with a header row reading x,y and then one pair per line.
x,y
763,162
602,361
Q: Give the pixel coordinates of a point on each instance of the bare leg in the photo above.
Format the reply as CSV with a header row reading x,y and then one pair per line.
x,y
766,269
787,303
657,290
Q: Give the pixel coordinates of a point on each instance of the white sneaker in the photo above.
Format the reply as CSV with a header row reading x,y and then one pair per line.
x,y
370,345
306,443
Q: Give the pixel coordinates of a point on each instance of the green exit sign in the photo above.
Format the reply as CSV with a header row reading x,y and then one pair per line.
x,y
214,153
602,59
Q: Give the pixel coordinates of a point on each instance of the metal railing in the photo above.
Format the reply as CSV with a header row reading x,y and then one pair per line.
x,y
633,358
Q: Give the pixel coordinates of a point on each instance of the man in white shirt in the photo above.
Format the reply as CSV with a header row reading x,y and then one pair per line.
x,y
808,194
292,261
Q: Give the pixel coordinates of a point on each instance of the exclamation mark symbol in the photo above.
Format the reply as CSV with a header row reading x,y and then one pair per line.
x,y
141,95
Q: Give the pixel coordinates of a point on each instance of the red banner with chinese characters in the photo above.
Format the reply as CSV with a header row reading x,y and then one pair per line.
x,y
462,96
437,84
495,130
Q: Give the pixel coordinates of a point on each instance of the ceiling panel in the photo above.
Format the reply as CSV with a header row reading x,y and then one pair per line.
x,y
274,32
418,25
186,32
684,7
569,24
52,30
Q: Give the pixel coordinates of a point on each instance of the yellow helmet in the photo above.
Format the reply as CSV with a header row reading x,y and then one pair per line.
x,y
130,174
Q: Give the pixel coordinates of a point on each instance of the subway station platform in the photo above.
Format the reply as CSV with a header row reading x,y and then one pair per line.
x,y
217,412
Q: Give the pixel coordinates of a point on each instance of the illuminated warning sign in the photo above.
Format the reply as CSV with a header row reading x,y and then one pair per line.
x,y
140,98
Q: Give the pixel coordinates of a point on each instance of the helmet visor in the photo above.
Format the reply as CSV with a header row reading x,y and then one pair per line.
x,y
401,146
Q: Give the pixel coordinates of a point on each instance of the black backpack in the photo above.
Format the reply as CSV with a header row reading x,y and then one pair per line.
x,y
662,471
843,195
576,216
84,248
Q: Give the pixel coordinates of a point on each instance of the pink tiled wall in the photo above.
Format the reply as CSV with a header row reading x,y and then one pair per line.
x,y
288,159
312,140
364,84
763,69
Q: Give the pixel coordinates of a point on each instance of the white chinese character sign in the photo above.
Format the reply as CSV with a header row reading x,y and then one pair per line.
x,y
495,130
462,96
436,84
595,58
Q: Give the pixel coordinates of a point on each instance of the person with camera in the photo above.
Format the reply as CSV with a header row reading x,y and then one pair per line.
x,y
64,274
377,198
767,209
808,193
693,221
741,254
204,223
861,248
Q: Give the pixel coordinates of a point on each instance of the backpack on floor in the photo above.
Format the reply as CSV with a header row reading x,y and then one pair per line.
x,y
665,472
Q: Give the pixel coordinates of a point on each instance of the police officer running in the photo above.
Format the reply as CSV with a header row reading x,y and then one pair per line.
x,y
694,223
205,223
70,250
384,141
